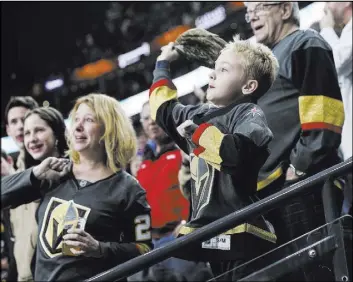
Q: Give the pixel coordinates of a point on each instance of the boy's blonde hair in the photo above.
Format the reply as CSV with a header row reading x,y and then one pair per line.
x,y
258,62
119,135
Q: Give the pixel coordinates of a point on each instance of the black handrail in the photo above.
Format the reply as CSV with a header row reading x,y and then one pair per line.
x,y
221,225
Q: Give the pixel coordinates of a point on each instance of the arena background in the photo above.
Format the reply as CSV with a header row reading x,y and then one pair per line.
x,y
58,51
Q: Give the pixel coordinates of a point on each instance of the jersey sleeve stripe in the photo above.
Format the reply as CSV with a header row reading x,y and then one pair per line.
x,y
197,151
321,111
272,177
143,248
213,159
321,125
211,139
198,132
162,82
159,96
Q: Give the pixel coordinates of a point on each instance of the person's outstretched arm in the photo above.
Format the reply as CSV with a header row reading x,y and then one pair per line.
x,y
19,188
27,186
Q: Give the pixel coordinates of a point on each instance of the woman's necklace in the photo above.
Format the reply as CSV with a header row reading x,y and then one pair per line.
x,y
83,183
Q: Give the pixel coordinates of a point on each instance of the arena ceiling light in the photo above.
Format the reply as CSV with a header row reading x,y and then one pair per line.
x,y
134,56
212,18
53,84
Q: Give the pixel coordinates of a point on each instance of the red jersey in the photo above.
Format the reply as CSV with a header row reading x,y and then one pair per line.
x,y
158,175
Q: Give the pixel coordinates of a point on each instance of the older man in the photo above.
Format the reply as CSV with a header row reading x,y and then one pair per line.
x,y
304,110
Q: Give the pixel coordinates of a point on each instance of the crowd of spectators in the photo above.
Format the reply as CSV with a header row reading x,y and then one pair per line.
x,y
308,109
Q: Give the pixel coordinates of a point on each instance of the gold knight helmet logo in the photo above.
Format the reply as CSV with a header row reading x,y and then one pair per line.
x,y
51,233
202,174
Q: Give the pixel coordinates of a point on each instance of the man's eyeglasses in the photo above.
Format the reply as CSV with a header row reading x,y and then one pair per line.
x,y
259,9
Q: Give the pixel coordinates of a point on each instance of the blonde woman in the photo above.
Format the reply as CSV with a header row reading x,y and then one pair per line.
x,y
93,215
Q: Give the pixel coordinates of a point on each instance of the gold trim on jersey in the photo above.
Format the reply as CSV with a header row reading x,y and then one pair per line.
x,y
211,139
246,227
277,173
269,179
208,157
321,110
203,176
143,248
338,184
159,96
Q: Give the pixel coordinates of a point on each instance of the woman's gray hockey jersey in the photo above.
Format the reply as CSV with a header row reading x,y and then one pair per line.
x,y
116,213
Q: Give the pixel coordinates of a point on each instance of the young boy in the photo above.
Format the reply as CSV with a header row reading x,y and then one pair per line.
x,y
227,142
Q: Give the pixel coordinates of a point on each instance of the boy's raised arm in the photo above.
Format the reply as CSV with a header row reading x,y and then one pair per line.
x,y
165,108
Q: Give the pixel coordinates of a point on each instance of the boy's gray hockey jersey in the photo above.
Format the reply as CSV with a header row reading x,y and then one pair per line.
x,y
227,147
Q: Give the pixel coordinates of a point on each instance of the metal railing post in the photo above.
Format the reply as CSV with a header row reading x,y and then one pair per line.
x,y
329,200
332,212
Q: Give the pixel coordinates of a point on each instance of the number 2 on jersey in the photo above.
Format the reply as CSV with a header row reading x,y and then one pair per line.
x,y
142,228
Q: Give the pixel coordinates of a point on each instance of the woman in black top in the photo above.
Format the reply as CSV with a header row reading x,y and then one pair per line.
x,y
91,187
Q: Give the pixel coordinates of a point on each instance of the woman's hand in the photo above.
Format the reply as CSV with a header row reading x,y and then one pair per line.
x,y
51,169
89,247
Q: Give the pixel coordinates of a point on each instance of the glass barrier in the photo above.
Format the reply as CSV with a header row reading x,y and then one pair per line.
x,y
324,254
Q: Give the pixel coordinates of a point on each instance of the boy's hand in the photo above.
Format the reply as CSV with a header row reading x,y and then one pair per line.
x,y
290,175
187,128
169,53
